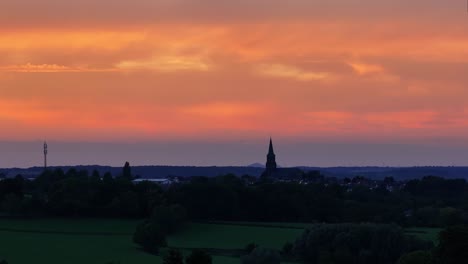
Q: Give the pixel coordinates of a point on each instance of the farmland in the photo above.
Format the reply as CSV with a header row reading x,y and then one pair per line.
x,y
102,241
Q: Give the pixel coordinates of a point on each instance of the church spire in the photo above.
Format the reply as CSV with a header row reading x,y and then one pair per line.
x,y
270,150
271,159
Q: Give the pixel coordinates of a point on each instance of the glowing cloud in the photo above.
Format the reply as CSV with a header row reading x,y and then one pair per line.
x,y
243,66
167,64
225,110
406,120
48,68
70,40
363,68
291,72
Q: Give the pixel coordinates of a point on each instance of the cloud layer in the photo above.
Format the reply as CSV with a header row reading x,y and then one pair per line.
x,y
218,70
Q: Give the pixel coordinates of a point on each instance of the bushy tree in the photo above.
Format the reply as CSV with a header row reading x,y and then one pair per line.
x,y
169,217
198,257
250,247
262,256
355,244
150,195
453,245
287,249
128,204
12,186
150,237
173,256
165,220
12,204
127,171
416,257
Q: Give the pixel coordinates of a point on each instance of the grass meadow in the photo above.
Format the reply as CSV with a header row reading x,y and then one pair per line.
x,y
100,241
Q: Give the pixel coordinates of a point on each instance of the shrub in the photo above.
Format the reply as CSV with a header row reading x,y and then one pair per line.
x,y
453,245
262,256
416,257
250,247
198,257
355,244
173,257
150,237
169,218
287,249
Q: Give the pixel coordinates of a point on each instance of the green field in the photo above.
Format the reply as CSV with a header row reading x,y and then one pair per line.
x,y
233,236
58,241
431,234
424,233
100,241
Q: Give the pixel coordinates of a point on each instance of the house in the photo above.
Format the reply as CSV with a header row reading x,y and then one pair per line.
x,y
161,181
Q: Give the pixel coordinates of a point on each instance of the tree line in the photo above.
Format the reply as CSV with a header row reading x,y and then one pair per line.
x,y
431,201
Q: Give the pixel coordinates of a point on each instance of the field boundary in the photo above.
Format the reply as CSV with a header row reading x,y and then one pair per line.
x,y
217,251
73,233
250,224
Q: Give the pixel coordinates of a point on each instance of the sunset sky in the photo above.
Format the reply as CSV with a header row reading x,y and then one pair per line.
x,y
365,82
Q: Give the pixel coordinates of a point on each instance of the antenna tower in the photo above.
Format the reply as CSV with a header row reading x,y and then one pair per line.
x,y
45,155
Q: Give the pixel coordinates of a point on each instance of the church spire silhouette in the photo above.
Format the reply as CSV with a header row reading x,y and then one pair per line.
x,y
272,172
271,158
270,150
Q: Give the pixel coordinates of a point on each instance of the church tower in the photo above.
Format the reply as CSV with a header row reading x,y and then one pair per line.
x,y
271,159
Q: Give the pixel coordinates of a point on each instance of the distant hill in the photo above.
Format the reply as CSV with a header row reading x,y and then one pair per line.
x,y
257,165
398,173
148,171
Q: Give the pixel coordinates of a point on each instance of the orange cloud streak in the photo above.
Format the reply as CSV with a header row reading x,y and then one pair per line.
x,y
28,67
183,80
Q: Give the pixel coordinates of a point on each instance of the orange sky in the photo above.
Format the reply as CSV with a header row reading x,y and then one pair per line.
x,y
219,70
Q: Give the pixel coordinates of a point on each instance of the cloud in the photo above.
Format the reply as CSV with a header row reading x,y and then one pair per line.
x,y
403,119
369,73
36,68
167,64
291,72
374,72
44,68
225,109
52,38
363,68
29,112
123,12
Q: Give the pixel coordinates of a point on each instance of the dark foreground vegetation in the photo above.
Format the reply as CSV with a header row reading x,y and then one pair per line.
x,y
429,202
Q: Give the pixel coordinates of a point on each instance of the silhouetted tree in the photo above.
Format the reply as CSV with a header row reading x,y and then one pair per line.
x,y
416,257
150,237
287,249
262,256
355,244
173,257
389,180
169,218
198,257
250,247
453,245
12,204
96,176
431,201
127,171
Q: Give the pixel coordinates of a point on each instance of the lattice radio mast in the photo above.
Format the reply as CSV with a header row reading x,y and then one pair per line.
x,y
45,155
